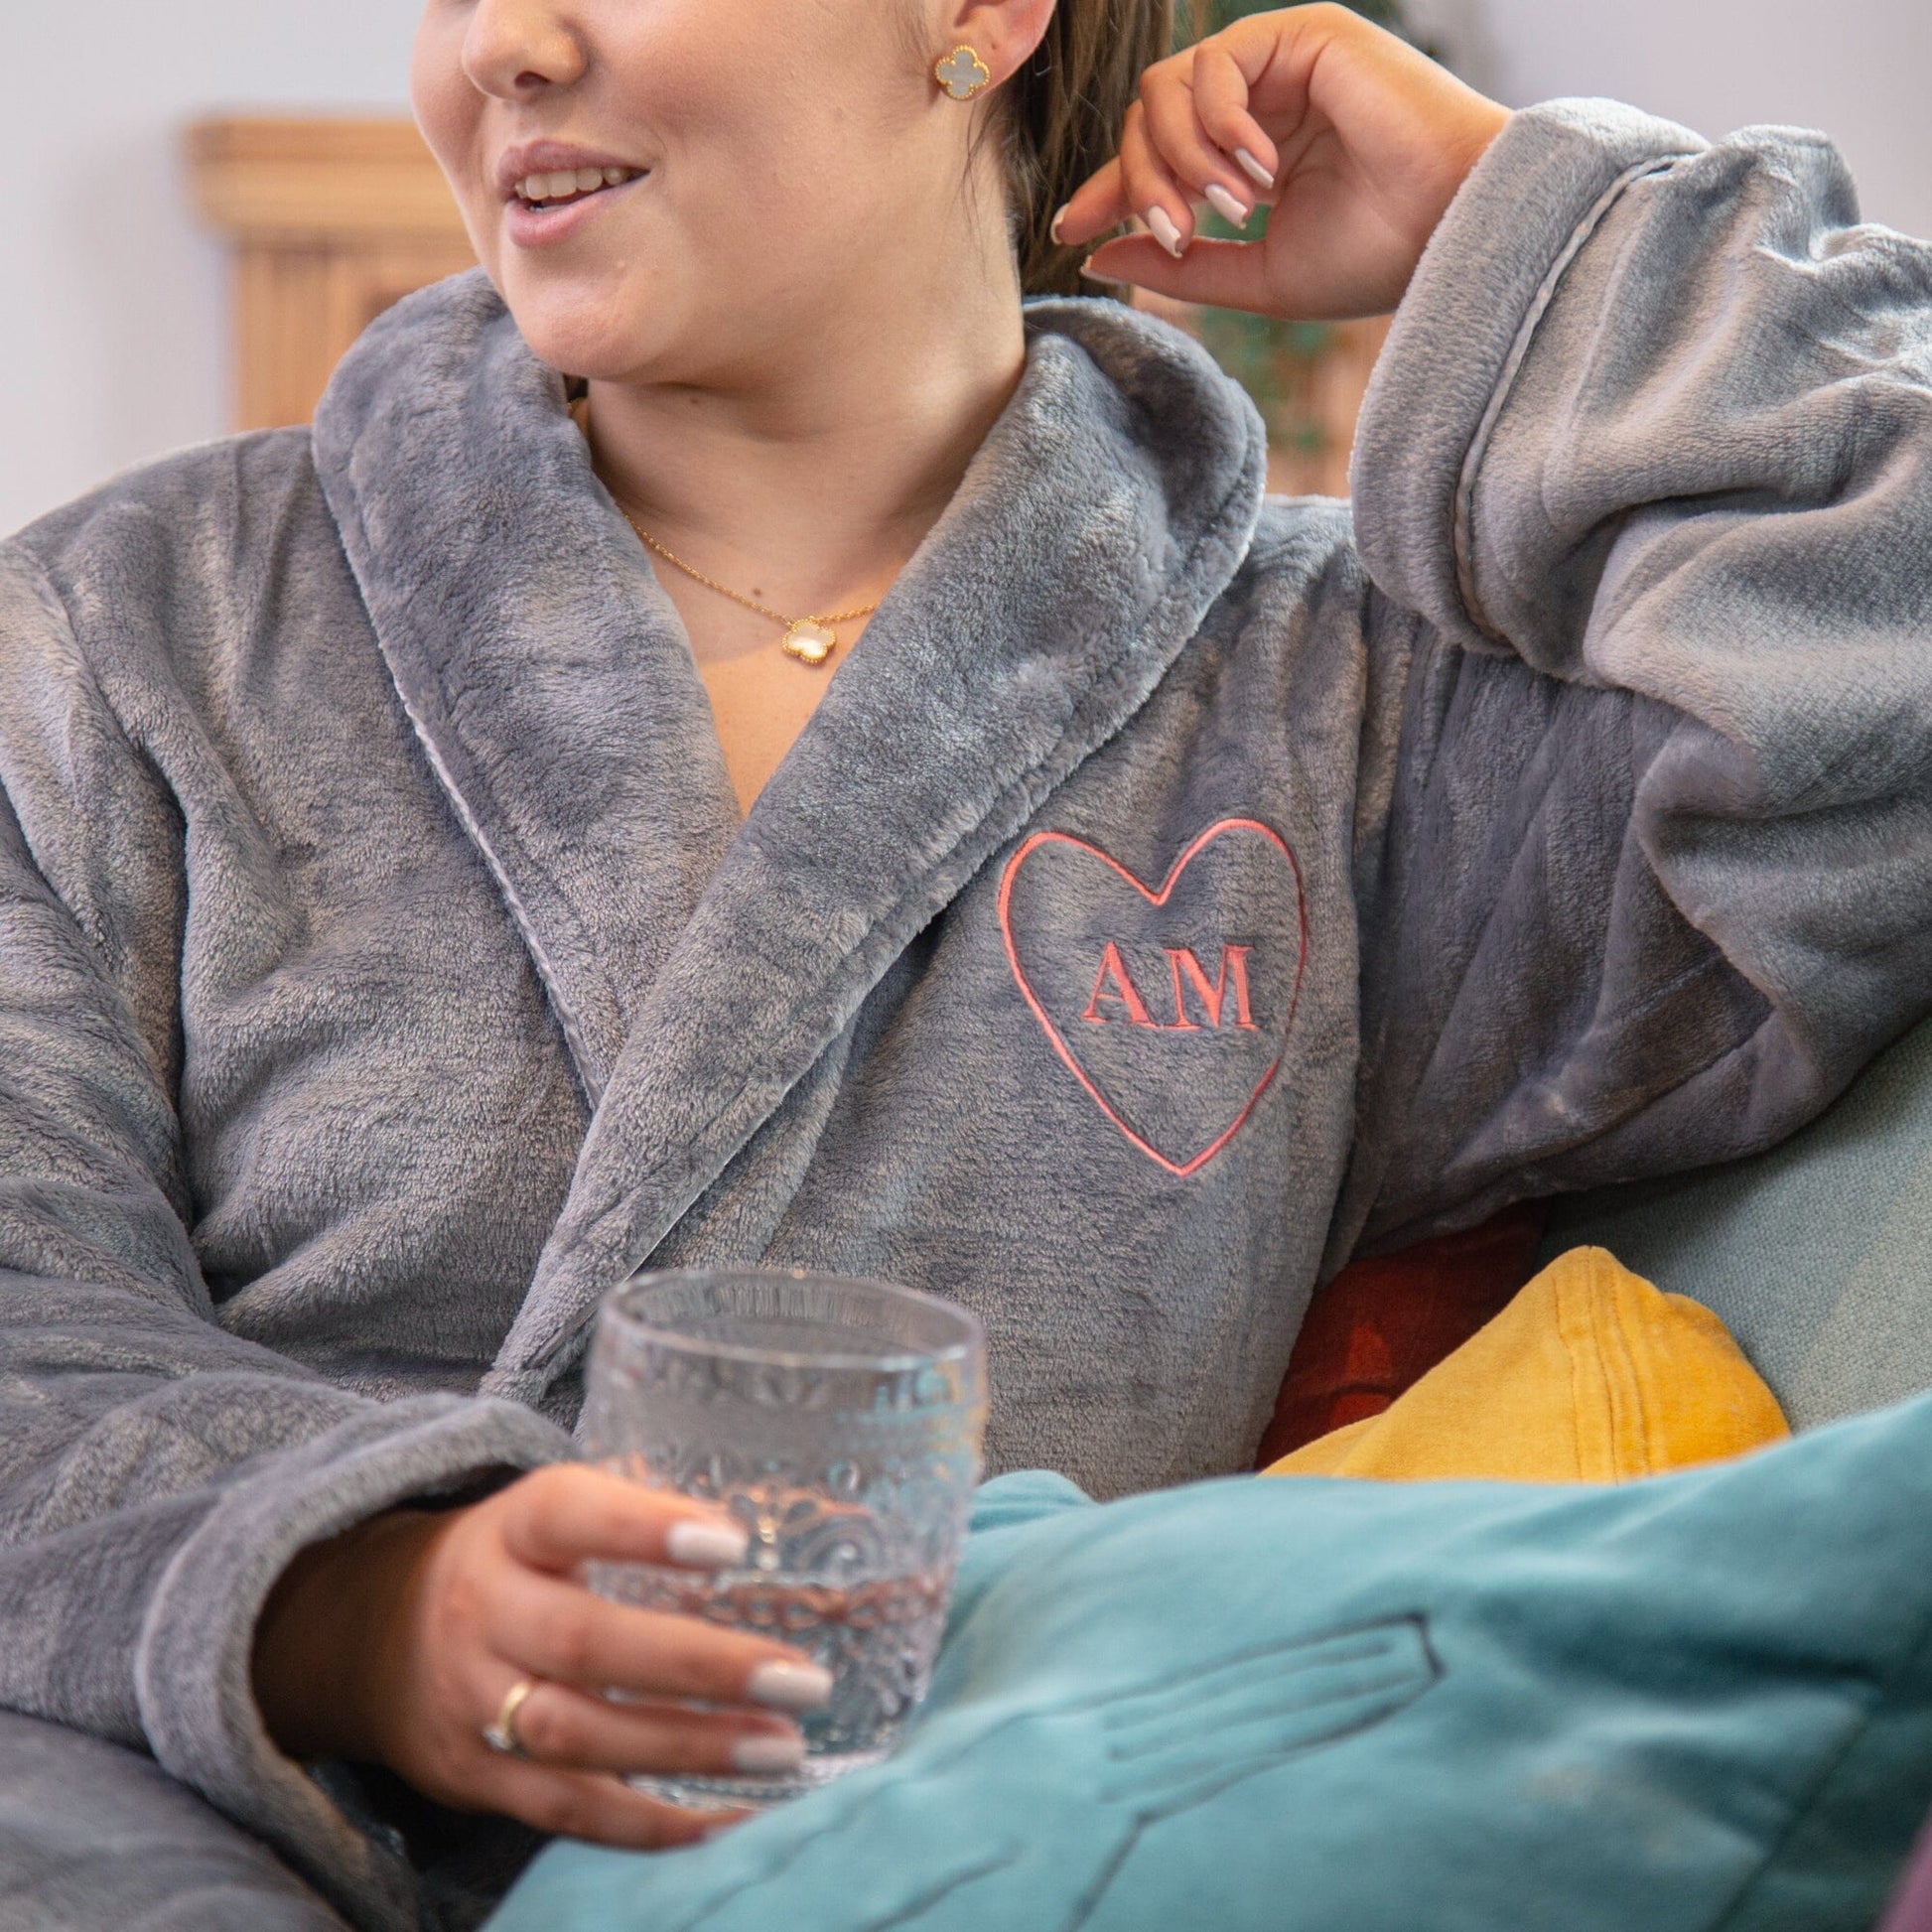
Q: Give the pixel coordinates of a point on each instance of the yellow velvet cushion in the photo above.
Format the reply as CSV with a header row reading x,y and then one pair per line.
x,y
1589,1375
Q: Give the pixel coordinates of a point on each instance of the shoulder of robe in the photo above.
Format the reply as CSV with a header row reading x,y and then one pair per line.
x,y
204,515
1176,395
1296,535
1301,559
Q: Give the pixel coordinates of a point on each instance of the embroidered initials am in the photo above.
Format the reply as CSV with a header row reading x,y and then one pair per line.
x,y
1180,959
1176,1052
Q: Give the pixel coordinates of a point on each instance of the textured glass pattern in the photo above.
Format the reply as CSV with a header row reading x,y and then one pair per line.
x,y
841,1423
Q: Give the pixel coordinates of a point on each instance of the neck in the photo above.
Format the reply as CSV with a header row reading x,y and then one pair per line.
x,y
811,483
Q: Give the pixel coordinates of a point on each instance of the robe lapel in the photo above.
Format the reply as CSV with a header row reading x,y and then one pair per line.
x,y
1109,507
545,671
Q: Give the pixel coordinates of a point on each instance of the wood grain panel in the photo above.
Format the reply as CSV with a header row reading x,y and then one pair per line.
x,y
329,221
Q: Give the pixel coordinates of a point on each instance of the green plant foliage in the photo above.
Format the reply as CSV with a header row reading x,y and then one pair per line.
x,y
1272,360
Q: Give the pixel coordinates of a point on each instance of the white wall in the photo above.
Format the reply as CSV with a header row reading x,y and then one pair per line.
x,y
1857,69
113,304
113,317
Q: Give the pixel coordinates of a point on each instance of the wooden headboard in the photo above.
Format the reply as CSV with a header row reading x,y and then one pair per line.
x,y
330,222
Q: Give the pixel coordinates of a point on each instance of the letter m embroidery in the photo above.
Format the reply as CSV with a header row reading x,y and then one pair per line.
x,y
1212,994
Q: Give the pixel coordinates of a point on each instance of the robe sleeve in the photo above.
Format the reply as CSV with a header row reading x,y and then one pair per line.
x,y
1643,489
157,1472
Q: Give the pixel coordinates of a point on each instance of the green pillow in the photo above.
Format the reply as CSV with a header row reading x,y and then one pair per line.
x,y
1817,1255
1297,1706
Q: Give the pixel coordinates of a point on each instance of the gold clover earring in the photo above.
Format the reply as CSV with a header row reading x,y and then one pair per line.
x,y
962,73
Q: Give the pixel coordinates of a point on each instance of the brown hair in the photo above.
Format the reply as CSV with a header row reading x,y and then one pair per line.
x,y
1063,113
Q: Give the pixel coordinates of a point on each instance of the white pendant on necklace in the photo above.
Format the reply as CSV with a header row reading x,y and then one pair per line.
x,y
808,641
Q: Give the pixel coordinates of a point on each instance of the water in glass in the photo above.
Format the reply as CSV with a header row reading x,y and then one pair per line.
x,y
841,1423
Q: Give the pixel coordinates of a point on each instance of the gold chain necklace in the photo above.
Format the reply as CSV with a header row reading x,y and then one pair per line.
x,y
811,639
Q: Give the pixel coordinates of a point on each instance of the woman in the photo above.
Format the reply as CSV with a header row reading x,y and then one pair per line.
x,y
1163,894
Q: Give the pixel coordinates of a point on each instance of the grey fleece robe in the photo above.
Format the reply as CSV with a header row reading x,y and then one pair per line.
x,y
1175,891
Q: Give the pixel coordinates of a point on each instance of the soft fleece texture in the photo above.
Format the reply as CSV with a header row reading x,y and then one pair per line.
x,y
1697,1704
385,968
96,1837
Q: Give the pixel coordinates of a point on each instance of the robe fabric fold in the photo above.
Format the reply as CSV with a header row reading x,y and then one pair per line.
x,y
1176,892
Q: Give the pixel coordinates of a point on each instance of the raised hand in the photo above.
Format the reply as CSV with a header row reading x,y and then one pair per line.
x,y
1026,1820
1356,141
399,1642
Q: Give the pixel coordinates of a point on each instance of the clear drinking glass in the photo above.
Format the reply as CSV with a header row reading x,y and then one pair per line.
x,y
841,1423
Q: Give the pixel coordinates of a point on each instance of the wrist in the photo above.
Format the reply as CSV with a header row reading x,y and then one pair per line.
x,y
1485,124
328,1638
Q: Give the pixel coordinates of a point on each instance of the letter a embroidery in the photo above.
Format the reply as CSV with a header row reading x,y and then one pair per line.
x,y
1212,994
1113,967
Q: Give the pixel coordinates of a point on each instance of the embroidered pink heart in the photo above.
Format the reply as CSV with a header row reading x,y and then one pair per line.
x,y
1171,1007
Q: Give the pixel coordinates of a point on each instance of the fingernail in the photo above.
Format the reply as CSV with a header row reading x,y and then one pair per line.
x,y
1262,176
1053,227
1161,226
706,1546
1090,272
790,1686
1230,207
769,1752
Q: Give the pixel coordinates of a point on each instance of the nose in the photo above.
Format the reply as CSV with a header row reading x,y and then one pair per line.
x,y
518,48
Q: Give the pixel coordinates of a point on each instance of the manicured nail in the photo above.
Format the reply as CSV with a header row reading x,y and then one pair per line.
x,y
1053,229
790,1686
706,1546
1230,207
1161,226
1262,176
768,1754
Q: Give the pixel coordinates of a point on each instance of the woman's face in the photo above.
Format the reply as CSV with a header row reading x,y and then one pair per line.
x,y
689,190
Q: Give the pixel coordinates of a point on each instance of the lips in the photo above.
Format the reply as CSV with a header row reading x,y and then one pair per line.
x,y
551,188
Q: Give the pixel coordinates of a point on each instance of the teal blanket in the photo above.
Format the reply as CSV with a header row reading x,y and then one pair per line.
x,y
1700,1702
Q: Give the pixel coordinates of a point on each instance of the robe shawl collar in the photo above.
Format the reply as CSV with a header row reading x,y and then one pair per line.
x,y
699,968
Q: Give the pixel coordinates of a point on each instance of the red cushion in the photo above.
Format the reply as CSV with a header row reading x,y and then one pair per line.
x,y
1385,1322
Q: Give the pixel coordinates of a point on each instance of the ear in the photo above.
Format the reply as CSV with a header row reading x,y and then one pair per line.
x,y
1002,32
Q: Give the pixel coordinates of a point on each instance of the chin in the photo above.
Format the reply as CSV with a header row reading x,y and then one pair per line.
x,y
588,327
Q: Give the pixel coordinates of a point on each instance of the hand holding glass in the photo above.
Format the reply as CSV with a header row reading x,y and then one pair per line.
x,y
839,1422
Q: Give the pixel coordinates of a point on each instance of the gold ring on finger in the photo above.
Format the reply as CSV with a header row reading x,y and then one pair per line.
x,y
501,1735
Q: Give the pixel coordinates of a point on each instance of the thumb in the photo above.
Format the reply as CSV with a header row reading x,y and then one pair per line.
x,y
1216,274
